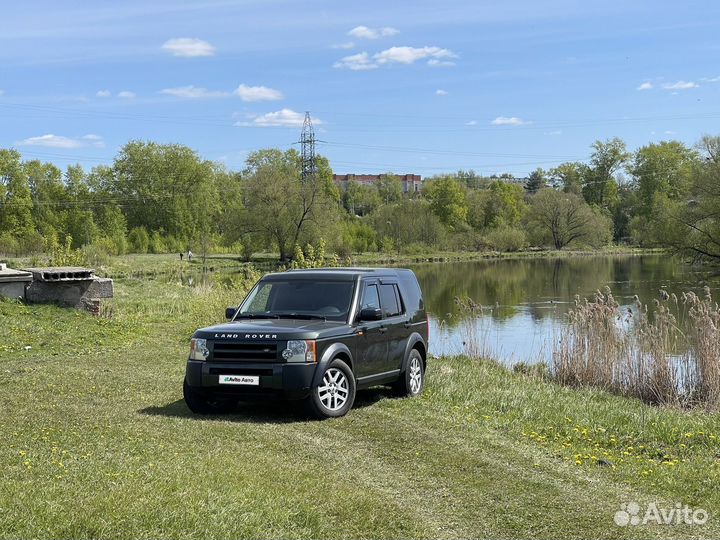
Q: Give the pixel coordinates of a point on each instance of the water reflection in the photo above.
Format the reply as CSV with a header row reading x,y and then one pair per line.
x,y
525,300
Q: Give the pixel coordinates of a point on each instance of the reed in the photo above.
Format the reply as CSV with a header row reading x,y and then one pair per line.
x,y
644,353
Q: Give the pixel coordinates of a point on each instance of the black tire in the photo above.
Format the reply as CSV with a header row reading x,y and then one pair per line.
x,y
337,384
202,404
412,380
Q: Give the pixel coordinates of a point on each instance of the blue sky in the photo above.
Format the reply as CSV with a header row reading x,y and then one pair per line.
x,y
409,87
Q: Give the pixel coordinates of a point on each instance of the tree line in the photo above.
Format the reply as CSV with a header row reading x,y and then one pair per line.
x,y
159,198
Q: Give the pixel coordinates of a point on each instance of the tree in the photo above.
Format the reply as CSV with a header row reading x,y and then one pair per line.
x,y
409,221
168,187
447,201
17,204
564,218
281,208
502,204
662,168
599,184
360,199
389,188
568,175
693,226
536,181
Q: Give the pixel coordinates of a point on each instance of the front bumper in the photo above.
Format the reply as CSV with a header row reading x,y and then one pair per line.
x,y
289,381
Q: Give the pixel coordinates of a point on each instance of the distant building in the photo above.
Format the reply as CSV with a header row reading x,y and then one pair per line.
x,y
410,182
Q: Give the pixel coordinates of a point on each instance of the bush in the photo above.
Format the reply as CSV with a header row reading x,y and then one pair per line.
x,y
8,244
157,243
506,239
139,240
98,253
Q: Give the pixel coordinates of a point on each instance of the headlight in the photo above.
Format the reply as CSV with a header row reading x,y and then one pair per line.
x,y
198,349
300,351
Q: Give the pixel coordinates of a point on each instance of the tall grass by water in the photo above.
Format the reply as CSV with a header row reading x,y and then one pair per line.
x,y
667,355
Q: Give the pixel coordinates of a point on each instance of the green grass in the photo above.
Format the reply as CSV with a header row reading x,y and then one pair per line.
x,y
95,442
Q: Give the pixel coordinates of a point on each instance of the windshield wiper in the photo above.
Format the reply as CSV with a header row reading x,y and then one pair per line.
x,y
301,316
257,316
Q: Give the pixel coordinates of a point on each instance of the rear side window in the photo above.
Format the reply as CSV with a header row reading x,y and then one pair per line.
x,y
371,300
389,299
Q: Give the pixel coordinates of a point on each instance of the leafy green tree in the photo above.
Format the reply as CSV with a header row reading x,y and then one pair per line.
x,y
569,175
410,221
562,219
502,204
448,201
17,205
536,181
166,186
600,186
667,168
693,226
360,199
389,188
281,208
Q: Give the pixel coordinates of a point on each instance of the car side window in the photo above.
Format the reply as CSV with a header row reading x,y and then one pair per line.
x,y
389,298
371,298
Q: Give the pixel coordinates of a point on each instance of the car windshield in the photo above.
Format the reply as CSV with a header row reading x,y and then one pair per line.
x,y
299,299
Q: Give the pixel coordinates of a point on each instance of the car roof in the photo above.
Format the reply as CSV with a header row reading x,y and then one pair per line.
x,y
337,272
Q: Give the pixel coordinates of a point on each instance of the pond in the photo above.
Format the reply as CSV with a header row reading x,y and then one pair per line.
x,y
525,301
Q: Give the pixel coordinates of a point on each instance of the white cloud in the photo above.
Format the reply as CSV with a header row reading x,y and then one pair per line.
x,y
356,62
281,118
363,32
346,45
188,47
126,94
409,55
471,123
441,92
58,141
710,79
396,55
669,132
508,121
103,93
434,62
554,132
257,93
645,86
193,92
680,85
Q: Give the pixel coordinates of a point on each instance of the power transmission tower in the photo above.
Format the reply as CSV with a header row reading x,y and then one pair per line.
x,y
307,151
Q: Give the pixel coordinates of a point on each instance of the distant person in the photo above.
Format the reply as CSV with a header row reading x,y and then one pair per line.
x,y
181,256
190,255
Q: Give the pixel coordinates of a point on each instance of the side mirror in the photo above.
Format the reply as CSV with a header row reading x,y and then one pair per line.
x,y
370,314
230,313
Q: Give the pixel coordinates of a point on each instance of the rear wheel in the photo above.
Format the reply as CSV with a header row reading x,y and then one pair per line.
x,y
335,394
203,404
412,381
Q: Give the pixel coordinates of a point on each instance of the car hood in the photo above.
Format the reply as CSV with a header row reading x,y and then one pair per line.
x,y
273,329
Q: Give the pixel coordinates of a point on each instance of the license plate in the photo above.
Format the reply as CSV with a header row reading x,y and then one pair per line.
x,y
251,380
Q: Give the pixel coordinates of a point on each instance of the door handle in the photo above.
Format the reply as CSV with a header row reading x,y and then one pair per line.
x,y
382,329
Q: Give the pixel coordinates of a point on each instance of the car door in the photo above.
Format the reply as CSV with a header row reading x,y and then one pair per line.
x,y
396,329
372,345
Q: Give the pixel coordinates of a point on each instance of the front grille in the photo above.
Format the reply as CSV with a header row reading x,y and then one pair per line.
x,y
244,352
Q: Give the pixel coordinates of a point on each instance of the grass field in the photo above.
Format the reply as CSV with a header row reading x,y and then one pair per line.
x,y
95,442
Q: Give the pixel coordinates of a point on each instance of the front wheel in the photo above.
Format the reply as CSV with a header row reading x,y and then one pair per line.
x,y
412,381
202,404
335,394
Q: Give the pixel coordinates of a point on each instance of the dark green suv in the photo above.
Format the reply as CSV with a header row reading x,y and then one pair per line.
x,y
314,335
